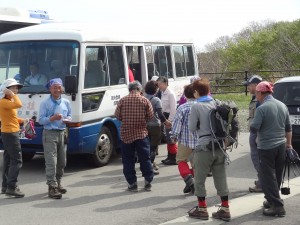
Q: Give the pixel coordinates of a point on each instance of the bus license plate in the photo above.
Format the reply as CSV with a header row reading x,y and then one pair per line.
x,y
295,119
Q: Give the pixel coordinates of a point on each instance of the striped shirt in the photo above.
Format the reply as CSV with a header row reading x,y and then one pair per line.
x,y
134,111
180,126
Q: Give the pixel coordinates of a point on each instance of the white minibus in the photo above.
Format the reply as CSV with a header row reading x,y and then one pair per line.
x,y
93,61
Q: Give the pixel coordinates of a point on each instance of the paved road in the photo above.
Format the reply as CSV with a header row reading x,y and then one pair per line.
x,y
99,195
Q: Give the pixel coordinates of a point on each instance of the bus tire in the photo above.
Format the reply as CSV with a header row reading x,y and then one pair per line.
x,y
27,156
104,148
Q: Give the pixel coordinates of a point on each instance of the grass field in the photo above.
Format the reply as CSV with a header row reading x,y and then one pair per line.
x,y
241,100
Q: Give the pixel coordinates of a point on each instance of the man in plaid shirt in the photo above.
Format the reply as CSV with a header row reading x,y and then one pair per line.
x,y
134,111
186,140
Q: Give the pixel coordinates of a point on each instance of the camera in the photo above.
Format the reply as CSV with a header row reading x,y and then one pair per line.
x,y
285,191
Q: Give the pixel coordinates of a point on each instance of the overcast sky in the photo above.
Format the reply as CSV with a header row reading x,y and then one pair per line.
x,y
203,20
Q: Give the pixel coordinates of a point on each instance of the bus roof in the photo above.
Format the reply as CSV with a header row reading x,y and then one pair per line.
x,y
86,32
14,18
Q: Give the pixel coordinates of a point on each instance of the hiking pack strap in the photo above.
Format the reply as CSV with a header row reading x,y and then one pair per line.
x,y
230,117
205,135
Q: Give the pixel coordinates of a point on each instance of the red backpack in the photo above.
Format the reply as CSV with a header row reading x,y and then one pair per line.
x,y
29,130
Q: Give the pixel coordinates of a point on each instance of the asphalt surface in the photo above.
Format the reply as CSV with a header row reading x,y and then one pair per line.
x,y
99,196
248,210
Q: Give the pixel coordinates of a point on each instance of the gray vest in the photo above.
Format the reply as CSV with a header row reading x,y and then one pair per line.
x,y
252,108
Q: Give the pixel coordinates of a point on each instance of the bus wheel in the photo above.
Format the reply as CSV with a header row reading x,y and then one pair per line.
x,y
27,156
105,148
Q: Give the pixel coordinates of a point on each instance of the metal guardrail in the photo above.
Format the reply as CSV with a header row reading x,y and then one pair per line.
x,y
232,82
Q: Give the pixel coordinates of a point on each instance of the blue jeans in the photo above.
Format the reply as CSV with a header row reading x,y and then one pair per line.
x,y
142,147
254,156
12,159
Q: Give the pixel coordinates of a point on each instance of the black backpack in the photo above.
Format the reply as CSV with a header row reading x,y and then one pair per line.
x,y
224,124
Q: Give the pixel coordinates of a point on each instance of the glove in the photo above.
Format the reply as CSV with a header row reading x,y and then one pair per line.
x,y
292,155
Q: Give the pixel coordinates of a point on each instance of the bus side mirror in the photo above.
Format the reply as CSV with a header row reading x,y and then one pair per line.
x,y
71,86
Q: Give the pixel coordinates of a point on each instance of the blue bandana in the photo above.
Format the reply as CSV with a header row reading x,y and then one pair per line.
x,y
205,98
53,81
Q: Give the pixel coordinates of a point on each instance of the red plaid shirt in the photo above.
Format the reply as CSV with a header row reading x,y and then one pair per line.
x,y
134,111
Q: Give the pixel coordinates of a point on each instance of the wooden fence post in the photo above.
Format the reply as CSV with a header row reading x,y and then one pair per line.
x,y
246,78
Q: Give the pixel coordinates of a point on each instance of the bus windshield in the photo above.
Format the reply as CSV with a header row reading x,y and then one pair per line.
x,y
33,63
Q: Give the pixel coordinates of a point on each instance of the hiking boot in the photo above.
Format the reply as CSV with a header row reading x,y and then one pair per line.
x,y
275,211
14,192
164,160
3,190
267,204
189,184
223,213
170,162
133,187
155,166
148,186
199,213
169,156
192,189
61,189
255,189
54,193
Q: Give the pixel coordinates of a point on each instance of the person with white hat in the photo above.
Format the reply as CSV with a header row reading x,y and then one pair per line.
x,y
10,127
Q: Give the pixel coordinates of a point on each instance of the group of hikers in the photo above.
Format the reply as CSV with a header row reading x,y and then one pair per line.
x,y
192,143
148,113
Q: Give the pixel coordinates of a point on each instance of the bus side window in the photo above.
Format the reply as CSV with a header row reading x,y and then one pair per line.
x,y
150,68
179,61
91,102
189,59
86,104
95,75
163,60
150,62
116,65
169,62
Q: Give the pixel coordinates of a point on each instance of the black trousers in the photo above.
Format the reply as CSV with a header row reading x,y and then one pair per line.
x,y
272,163
12,159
